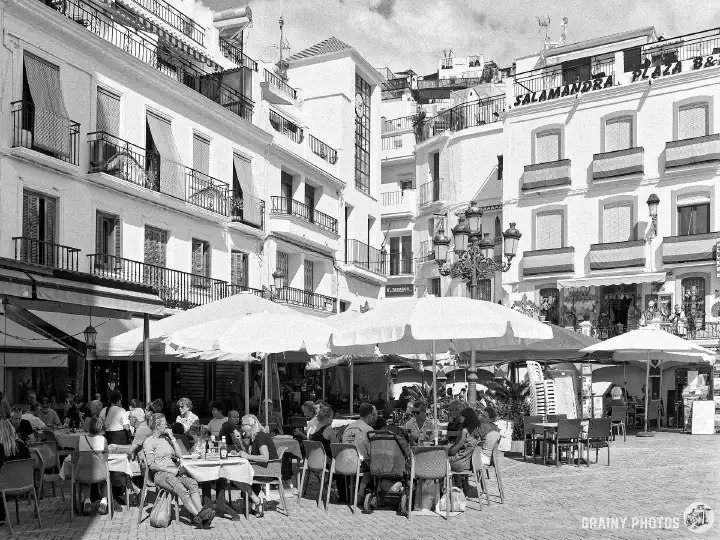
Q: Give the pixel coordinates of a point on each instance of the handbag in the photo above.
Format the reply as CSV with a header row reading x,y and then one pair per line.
x,y
161,510
458,504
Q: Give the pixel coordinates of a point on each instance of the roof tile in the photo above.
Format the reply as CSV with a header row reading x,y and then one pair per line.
x,y
330,45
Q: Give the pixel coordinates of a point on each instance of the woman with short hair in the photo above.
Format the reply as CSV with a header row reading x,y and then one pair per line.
x,y
324,432
187,418
94,443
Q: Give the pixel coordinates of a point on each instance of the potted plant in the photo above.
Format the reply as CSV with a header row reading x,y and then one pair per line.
x,y
512,403
419,121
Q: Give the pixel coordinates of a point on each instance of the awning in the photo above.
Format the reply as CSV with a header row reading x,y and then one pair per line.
x,y
243,172
21,347
14,283
74,325
88,299
622,279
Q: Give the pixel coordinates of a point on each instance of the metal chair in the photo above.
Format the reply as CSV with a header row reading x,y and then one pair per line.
x,y
567,436
268,474
618,417
598,436
346,462
430,463
149,485
89,467
482,472
17,478
315,462
531,433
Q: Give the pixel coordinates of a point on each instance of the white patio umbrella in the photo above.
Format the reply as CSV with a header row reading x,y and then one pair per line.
x,y
263,333
421,325
647,344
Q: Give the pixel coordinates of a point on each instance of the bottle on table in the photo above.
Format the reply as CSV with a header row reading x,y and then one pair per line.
x,y
223,449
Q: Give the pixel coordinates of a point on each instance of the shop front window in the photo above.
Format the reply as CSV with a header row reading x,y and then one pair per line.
x,y
549,303
693,299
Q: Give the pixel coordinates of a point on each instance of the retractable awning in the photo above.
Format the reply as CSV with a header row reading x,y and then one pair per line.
x,y
21,347
622,279
15,283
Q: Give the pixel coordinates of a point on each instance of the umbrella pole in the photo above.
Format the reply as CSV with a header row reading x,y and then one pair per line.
x,y
435,397
267,389
352,390
645,432
324,376
146,356
246,371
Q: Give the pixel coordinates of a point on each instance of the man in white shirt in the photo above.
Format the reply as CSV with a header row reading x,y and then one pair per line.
x,y
218,411
31,416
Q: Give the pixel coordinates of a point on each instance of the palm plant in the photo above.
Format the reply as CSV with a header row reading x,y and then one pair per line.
x,y
418,124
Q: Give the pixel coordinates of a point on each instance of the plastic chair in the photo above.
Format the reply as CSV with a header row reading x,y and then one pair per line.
x,y
483,471
62,452
618,415
17,478
531,433
567,436
90,467
598,436
430,463
346,462
53,466
315,462
269,474
149,485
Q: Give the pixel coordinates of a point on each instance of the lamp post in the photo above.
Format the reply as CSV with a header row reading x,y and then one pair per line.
x,y
474,259
653,202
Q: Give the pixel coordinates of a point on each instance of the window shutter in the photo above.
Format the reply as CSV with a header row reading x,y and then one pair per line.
x,y
549,234
117,233
49,220
201,154
108,112
693,121
197,257
547,146
99,234
309,276
206,260
618,134
617,223
31,227
238,270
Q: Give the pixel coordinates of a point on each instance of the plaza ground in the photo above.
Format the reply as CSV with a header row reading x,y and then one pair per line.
x,y
647,478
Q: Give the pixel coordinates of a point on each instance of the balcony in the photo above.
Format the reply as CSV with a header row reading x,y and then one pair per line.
x,y
102,23
401,264
306,299
362,255
692,151
467,115
398,202
397,124
430,192
617,255
235,55
248,210
548,261
552,174
45,132
122,159
323,150
552,82
395,88
206,192
291,207
34,251
618,163
170,15
275,90
287,127
689,248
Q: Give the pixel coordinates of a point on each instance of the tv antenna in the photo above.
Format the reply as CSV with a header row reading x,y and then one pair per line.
x,y
284,45
543,23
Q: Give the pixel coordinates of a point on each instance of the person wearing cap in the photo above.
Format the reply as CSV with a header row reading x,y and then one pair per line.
x,y
48,415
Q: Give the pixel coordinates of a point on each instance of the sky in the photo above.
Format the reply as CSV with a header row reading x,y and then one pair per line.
x,y
402,34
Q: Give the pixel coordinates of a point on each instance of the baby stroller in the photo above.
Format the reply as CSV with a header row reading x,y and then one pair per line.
x,y
389,451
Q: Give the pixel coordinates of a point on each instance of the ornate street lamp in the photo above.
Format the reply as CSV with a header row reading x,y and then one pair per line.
x,y
90,337
278,279
474,260
653,202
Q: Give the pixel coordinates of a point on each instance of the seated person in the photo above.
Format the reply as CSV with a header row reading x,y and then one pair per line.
x,y
78,413
460,454
161,455
230,427
356,434
136,414
381,404
144,431
23,427
218,412
48,415
182,439
94,441
31,416
419,425
11,449
455,420
309,411
324,432
187,418
273,417
262,450
489,433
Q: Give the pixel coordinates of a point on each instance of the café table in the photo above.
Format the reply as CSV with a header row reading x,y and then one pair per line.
x,y
291,445
549,427
67,439
116,463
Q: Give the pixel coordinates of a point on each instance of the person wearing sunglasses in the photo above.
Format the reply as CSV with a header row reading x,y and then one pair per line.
x,y
419,425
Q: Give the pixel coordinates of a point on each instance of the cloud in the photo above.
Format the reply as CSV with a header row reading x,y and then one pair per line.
x,y
386,8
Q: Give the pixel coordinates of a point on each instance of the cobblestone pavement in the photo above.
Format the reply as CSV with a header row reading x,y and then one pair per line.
x,y
648,478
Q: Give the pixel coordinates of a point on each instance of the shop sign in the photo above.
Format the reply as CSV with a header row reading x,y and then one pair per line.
x,y
399,290
563,91
696,63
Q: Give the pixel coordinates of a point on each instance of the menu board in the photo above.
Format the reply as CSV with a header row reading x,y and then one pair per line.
x,y
703,418
565,402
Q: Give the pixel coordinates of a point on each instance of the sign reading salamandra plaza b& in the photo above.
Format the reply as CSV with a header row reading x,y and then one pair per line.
x,y
563,91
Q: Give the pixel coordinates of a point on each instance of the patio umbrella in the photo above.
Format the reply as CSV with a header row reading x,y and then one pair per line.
x,y
422,325
649,343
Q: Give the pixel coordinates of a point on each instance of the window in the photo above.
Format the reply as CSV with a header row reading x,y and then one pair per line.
x,y
693,297
238,268
632,59
201,154
246,204
108,243
618,222
200,263
282,264
500,165
362,134
400,255
434,286
108,112
693,121
483,291
435,172
550,297
155,246
309,280
547,146
693,216
310,197
619,134
38,229
406,185
549,230
576,70
164,155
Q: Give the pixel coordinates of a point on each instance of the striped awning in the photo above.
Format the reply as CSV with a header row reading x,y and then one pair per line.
x,y
168,34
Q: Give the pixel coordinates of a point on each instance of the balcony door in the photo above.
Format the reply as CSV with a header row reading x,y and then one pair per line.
x,y
38,229
200,263
286,193
239,269
309,281
310,202
107,241
155,257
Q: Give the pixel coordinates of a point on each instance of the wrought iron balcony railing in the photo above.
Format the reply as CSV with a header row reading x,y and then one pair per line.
x,y
430,192
365,256
122,159
45,132
34,251
287,127
321,149
278,83
308,299
467,115
288,206
397,124
236,55
175,18
401,264
552,77
248,210
206,192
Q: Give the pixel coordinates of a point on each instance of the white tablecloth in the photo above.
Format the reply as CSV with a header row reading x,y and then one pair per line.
x,y
338,422
116,463
69,440
233,468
